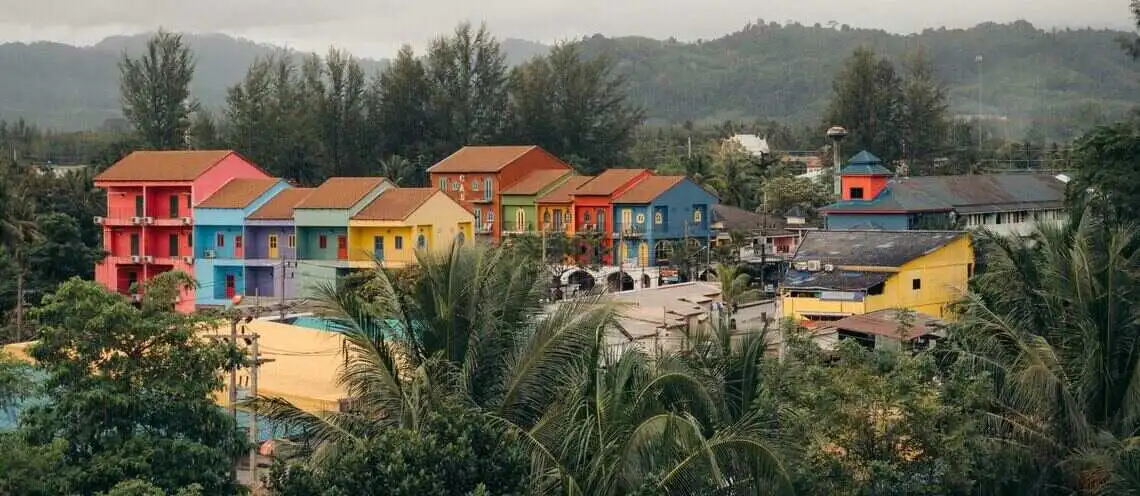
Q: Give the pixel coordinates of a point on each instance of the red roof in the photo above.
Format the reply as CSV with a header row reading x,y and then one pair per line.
x,y
534,182
563,193
649,189
178,165
341,192
609,181
480,159
280,207
396,204
238,193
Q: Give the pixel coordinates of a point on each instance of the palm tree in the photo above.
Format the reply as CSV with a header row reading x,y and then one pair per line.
x,y
594,422
1054,320
734,287
17,232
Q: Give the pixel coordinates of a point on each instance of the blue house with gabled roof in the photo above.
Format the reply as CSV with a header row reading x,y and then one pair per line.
x,y
658,211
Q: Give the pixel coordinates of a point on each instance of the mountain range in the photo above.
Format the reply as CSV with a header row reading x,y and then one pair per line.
x,y
1053,82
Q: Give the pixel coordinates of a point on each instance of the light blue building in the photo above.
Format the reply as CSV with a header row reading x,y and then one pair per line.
x,y
656,213
219,250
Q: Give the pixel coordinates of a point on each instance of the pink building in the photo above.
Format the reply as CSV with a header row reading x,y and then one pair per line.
x,y
149,223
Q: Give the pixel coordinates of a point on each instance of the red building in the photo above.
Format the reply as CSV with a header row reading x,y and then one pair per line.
x,y
593,205
475,175
149,222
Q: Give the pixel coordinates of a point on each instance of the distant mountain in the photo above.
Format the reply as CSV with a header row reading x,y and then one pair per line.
x,y
1053,83
72,88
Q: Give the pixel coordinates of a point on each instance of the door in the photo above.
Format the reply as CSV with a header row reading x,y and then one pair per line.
x,y
520,220
378,247
272,243
341,247
487,183
643,253
173,243
230,283
134,244
626,219
558,221
238,247
174,206
139,210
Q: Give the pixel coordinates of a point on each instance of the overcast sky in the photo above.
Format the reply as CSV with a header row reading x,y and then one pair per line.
x,y
375,28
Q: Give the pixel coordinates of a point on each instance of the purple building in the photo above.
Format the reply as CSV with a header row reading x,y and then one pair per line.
x,y
271,246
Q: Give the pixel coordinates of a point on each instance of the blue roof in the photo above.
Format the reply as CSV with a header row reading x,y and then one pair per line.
x,y
865,164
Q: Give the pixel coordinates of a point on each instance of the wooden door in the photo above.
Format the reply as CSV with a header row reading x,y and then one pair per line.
x,y
643,254
341,247
274,252
231,282
378,247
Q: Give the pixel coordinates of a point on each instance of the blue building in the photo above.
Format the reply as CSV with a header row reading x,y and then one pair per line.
x,y
218,228
659,211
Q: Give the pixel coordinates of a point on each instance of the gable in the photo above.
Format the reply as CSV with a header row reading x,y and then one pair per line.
x,y
440,209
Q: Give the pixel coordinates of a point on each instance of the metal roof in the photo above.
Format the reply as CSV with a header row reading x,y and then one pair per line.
x,y
965,194
865,164
871,248
839,280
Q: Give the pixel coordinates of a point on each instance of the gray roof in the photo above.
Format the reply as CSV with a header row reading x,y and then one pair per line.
x,y
965,194
871,248
839,280
865,164
738,219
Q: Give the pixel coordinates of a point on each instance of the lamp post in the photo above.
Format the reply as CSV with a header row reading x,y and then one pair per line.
x,y
836,135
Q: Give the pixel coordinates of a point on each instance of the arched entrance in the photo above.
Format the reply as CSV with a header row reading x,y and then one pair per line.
x,y
619,281
578,278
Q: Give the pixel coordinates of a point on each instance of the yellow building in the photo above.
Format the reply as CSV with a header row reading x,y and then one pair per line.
x,y
834,274
403,220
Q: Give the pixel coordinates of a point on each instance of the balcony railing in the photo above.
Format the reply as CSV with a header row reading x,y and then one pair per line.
x,y
517,228
484,228
630,231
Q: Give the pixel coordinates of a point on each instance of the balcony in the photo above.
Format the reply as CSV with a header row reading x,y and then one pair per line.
x,y
172,221
517,228
631,231
484,228
482,199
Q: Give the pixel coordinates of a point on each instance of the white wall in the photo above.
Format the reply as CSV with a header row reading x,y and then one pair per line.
x,y
1020,223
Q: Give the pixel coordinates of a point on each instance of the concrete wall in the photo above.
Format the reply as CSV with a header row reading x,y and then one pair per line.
x,y
257,241
309,242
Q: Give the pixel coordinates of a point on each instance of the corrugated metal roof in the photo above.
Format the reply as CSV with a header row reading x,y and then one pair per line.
x,y
480,159
738,219
178,165
609,181
534,182
965,194
563,193
280,207
865,164
341,192
871,248
649,189
886,323
238,193
839,280
396,204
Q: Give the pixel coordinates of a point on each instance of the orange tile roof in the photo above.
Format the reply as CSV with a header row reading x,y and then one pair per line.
x,y
534,182
396,204
480,159
649,189
341,192
238,193
608,182
562,194
280,207
182,165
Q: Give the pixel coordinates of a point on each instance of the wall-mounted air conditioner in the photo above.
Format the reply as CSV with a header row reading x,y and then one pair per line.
x,y
188,260
136,259
813,265
99,220
148,259
211,254
136,220
148,220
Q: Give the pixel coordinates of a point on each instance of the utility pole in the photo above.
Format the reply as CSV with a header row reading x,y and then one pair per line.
x,y
233,370
281,291
256,364
979,60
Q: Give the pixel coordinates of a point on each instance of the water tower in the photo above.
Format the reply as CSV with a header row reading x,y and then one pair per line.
x,y
836,135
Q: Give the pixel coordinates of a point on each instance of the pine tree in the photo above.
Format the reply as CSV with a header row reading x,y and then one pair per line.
x,y
398,106
867,101
155,92
467,77
924,125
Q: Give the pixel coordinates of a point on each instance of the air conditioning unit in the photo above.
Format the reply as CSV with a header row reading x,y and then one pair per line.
x,y
828,268
148,220
99,220
188,260
588,227
211,254
148,259
800,266
136,220
136,259
187,221
813,265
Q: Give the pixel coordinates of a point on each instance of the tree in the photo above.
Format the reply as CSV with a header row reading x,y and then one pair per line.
x,y
59,254
867,101
923,123
18,232
336,88
1105,161
734,287
467,85
399,106
1051,319
734,177
571,105
129,391
155,92
783,193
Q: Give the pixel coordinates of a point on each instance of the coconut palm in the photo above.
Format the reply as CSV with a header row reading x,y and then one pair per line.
x,y
17,232
1054,319
471,326
734,287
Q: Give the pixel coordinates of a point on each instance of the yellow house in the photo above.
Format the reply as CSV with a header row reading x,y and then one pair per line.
x,y
403,220
835,274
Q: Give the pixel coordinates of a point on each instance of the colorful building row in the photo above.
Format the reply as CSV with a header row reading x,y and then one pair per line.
x,y
239,231
635,215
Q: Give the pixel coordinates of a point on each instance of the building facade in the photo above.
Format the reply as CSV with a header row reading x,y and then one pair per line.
x,y
652,216
402,221
271,262
322,221
475,176
520,208
593,212
148,228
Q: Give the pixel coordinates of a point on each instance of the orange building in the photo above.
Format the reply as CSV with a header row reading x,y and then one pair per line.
x,y
592,208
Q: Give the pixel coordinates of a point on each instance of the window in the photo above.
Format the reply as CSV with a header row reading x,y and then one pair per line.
x,y
999,217
478,216
237,241
292,241
323,242
139,210
173,206
173,243
546,217
640,218
490,216
378,245
856,193
421,242
916,284
586,217
190,239
474,185
399,242
134,244
273,242
697,214
601,216
443,184
520,220
658,218
488,184
455,186
220,240
662,251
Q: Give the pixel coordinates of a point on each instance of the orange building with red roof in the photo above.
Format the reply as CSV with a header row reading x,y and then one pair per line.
x,y
475,176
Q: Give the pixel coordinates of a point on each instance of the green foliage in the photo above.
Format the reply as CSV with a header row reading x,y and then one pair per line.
x,y
467,84
155,92
1106,162
453,452
781,193
31,470
129,391
868,101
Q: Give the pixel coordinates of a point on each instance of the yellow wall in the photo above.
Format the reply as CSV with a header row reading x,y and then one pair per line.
x,y
439,220
943,274
361,241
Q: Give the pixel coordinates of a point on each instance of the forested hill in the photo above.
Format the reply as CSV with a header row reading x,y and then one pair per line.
x,y
1064,80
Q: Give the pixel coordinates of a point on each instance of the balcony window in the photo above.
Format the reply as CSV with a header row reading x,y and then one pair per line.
x,y
220,240
323,242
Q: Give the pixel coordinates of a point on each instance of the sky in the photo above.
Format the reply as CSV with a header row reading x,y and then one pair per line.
x,y
376,28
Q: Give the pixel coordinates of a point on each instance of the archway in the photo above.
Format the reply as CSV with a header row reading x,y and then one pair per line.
x,y
619,281
580,278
